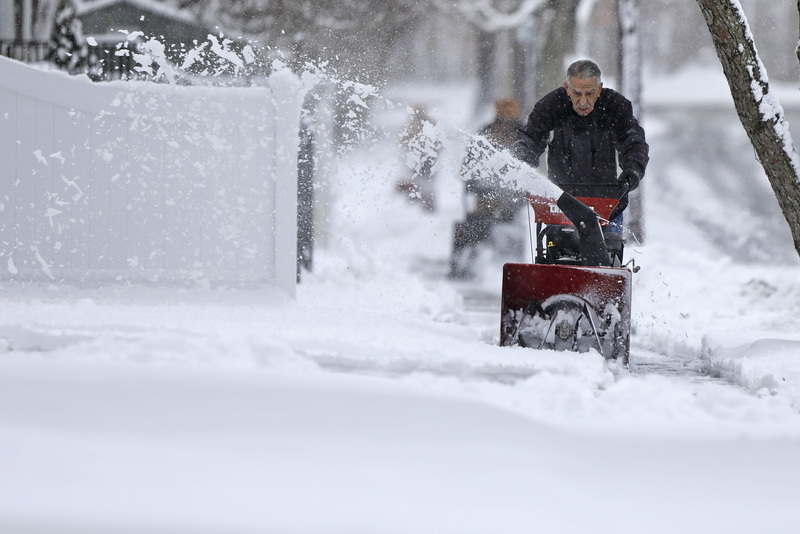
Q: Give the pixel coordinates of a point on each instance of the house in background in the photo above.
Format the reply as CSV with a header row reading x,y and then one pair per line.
x,y
7,20
19,18
107,21
24,29
107,24
31,31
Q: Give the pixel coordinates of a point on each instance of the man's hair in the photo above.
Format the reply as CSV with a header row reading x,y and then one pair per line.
x,y
584,69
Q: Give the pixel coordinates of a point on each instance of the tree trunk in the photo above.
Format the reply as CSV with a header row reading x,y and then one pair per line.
x,y
797,50
630,74
486,51
758,110
525,81
559,41
521,59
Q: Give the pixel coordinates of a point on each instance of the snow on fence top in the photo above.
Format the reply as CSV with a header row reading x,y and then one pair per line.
x,y
143,182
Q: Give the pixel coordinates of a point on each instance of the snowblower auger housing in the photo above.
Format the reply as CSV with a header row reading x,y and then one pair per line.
x,y
572,298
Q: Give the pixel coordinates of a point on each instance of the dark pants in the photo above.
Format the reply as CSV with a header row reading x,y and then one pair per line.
x,y
467,235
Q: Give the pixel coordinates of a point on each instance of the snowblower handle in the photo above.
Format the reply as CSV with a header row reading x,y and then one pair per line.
x,y
621,205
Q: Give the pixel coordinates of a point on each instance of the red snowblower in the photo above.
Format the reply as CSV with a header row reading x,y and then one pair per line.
x,y
577,295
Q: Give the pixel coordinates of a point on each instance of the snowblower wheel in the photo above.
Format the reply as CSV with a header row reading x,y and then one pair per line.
x,y
566,323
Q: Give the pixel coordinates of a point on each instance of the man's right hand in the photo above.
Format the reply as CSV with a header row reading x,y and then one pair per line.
x,y
631,178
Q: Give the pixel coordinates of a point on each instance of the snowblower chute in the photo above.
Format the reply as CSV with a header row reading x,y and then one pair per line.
x,y
574,297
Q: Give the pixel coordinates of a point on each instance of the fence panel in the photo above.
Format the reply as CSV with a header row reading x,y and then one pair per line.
x,y
147,182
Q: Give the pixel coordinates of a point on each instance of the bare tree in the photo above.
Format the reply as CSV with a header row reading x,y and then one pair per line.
x,y
797,49
630,75
558,40
554,39
492,15
759,111
491,19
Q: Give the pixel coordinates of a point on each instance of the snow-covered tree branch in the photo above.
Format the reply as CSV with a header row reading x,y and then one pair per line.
x,y
759,110
257,18
492,15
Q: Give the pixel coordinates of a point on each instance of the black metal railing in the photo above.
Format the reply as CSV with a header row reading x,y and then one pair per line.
x,y
26,51
98,62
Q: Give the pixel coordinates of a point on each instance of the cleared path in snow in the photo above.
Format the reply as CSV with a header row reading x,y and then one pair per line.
x,y
482,309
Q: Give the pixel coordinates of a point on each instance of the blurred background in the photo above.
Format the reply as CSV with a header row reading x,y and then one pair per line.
x,y
510,48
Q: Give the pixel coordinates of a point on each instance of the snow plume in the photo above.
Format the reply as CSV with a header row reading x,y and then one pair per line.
x,y
341,111
500,167
220,61
217,60
224,51
149,56
153,61
424,133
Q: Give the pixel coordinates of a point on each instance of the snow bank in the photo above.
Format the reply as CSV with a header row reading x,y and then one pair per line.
x,y
764,367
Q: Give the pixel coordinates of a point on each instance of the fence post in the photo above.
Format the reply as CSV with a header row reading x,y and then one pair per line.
x,y
288,100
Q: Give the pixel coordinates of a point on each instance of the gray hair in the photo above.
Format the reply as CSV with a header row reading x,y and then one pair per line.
x,y
584,69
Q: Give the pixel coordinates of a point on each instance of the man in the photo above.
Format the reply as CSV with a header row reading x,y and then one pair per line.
x,y
593,129
494,202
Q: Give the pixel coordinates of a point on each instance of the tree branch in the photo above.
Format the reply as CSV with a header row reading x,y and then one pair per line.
x,y
759,111
487,16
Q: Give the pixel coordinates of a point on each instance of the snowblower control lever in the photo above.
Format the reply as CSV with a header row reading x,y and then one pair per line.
x,y
591,244
622,204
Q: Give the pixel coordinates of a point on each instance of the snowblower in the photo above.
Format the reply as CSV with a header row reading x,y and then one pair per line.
x,y
576,295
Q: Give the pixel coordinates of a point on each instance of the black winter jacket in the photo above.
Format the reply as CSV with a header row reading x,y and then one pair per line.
x,y
582,153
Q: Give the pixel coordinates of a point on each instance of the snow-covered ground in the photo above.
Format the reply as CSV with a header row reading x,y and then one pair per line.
x,y
379,401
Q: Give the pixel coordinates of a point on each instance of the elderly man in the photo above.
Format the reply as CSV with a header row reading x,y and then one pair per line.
x,y
587,130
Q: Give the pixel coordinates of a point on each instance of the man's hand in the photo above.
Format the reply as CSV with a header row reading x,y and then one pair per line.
x,y
631,178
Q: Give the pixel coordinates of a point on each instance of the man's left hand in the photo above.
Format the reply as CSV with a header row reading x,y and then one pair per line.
x,y
631,178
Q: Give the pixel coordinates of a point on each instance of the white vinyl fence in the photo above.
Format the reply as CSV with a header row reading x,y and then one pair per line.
x,y
144,182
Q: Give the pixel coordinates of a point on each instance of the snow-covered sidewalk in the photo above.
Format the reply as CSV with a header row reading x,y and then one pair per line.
x,y
373,403
199,412
376,402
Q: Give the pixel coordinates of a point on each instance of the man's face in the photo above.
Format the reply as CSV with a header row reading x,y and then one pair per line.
x,y
583,93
